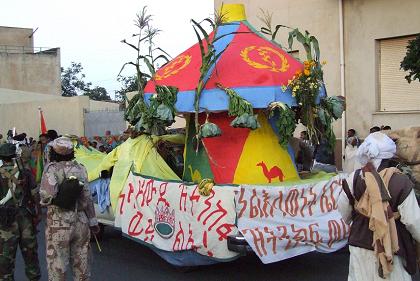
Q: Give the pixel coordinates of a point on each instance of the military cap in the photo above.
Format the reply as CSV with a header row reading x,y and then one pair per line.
x,y
7,150
62,145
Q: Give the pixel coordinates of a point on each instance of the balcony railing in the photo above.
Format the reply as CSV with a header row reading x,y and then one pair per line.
x,y
26,50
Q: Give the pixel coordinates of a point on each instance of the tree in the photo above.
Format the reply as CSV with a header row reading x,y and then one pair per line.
x,y
98,93
411,62
129,84
72,80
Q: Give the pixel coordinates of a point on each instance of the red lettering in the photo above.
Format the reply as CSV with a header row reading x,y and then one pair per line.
x,y
259,242
179,239
130,192
150,230
148,193
194,198
220,210
207,203
224,230
243,202
190,241
122,200
183,198
266,204
305,202
334,232
326,205
291,202
311,202
278,202
134,227
162,192
314,234
254,210
272,238
301,234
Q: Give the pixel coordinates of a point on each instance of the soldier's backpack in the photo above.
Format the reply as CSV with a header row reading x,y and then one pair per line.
x,y
68,193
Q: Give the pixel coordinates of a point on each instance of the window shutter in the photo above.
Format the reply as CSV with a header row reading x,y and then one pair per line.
x,y
396,94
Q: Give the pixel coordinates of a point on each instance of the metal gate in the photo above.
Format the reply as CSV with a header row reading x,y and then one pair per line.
x,y
97,122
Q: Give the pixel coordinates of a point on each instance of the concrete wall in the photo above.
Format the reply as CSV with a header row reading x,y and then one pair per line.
x,y
66,115
365,21
102,105
36,72
15,36
23,69
63,115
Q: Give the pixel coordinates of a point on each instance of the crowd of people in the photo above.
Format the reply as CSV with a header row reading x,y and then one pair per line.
x,y
321,157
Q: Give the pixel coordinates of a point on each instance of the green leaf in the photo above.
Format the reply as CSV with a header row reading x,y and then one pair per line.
x,y
203,31
315,44
200,42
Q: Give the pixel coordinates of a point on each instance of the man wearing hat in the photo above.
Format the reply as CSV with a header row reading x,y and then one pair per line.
x,y
67,229
379,202
17,216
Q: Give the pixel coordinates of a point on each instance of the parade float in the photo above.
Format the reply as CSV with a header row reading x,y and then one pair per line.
x,y
242,96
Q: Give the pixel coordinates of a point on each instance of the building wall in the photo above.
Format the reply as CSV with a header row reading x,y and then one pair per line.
x,y
66,115
23,69
365,21
14,36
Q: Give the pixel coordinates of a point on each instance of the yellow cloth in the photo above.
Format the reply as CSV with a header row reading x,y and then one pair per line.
x,y
139,153
381,222
263,160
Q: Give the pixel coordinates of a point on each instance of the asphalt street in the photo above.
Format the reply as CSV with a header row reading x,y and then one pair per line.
x,y
123,259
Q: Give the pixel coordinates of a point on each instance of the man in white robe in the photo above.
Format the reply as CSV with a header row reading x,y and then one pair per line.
x,y
364,265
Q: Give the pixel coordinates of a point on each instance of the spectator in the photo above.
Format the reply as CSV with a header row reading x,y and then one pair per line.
x,y
351,162
386,128
305,154
1,139
324,158
374,129
351,133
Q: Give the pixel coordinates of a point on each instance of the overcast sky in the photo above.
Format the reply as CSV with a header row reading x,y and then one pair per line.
x,y
90,31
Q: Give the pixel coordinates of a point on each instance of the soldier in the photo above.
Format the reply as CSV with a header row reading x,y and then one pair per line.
x,y
17,216
67,229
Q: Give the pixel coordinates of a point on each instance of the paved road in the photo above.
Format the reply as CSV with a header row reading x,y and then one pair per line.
x,y
123,259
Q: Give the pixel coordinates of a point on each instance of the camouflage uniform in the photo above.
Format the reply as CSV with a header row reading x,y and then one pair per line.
x,y
19,227
67,232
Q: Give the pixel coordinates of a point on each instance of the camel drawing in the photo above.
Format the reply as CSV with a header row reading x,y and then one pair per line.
x,y
195,176
273,173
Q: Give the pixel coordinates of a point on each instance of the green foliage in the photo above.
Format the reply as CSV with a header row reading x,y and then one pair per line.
x,y
285,121
98,93
411,61
153,119
241,108
209,129
72,80
305,87
149,118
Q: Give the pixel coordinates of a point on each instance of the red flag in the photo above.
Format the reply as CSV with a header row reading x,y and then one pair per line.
x,y
43,126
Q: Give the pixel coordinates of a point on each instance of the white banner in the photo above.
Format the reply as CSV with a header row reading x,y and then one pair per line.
x,y
173,216
281,222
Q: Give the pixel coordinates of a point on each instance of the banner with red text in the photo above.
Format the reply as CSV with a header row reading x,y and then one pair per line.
x,y
173,216
281,222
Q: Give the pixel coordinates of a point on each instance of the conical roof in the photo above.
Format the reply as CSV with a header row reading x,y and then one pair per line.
x,y
253,66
